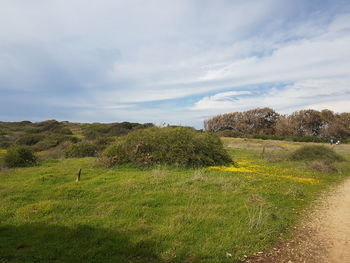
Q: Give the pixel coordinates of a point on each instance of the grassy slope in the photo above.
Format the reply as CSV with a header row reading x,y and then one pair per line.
x,y
158,215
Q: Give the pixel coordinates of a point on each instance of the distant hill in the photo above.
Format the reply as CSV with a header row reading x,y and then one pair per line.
x,y
50,133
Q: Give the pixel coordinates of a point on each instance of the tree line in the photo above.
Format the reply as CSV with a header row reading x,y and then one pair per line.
x,y
266,121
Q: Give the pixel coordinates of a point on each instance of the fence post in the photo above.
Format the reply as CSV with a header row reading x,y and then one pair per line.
x,y
78,175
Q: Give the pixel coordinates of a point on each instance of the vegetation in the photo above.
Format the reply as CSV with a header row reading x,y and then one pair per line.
x,y
265,121
314,153
52,138
30,139
159,214
99,130
176,209
230,133
170,145
19,156
323,166
83,149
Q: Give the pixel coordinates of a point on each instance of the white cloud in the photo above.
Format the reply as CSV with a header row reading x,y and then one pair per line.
x,y
224,100
254,61
314,93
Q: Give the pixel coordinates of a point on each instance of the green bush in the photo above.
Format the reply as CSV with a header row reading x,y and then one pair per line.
x,y
315,152
172,146
53,126
82,149
30,139
5,143
20,156
57,152
98,130
53,140
103,143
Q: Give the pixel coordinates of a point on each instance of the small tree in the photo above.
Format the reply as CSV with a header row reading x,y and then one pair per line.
x,y
20,156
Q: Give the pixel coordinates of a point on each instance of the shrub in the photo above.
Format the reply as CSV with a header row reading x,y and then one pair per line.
x,y
103,143
30,139
20,156
315,152
170,145
53,140
57,152
62,130
98,130
53,126
323,166
231,133
82,149
5,143
106,161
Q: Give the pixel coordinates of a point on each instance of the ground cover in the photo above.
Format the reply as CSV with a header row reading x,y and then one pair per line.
x,y
159,214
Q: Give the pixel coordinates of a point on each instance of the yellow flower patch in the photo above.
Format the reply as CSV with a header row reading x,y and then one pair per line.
x,y
300,179
267,170
3,151
231,169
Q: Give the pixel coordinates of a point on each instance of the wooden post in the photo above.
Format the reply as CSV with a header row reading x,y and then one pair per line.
x,y
263,152
78,175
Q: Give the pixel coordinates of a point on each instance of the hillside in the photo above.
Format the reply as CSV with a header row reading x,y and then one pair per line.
x,y
51,138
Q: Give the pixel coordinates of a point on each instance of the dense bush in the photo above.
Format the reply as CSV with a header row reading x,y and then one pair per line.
x,y
53,140
57,152
82,149
103,143
173,146
4,142
20,156
30,139
94,130
230,133
315,152
98,130
53,126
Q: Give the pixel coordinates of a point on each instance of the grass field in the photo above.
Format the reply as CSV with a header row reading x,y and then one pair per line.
x,y
163,214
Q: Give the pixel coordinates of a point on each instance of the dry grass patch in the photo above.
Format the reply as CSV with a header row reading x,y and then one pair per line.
x,y
322,166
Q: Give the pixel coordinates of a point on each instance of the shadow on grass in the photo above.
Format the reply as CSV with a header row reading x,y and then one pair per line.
x,y
54,243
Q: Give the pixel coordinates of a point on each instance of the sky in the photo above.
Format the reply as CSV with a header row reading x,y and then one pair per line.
x,y
171,61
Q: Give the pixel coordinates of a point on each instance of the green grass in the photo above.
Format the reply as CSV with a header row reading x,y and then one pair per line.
x,y
162,214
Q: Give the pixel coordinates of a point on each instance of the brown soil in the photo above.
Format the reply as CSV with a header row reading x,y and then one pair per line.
x,y
323,237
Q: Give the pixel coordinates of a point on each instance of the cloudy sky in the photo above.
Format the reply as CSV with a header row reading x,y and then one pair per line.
x,y
171,61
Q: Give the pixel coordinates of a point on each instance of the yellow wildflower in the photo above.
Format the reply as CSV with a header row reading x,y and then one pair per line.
x,y
266,170
231,169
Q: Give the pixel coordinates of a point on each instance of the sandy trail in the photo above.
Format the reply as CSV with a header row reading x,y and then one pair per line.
x,y
324,237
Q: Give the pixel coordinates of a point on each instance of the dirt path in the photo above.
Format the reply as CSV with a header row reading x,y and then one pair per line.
x,y
323,238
